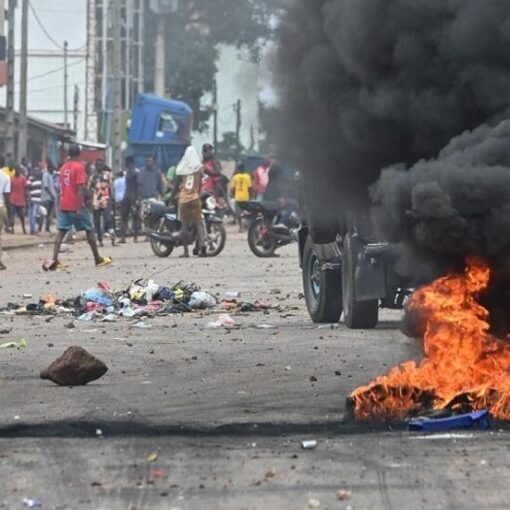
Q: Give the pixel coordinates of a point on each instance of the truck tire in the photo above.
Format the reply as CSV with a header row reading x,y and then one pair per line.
x,y
322,289
357,314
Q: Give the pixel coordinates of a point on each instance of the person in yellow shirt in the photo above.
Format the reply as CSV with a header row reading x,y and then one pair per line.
x,y
7,170
241,191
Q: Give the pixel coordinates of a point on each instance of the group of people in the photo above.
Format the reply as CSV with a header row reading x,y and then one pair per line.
x,y
89,197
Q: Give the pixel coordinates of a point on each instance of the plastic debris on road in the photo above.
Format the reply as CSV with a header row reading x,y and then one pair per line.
x,y
32,503
21,344
309,444
223,321
140,300
202,301
456,421
152,457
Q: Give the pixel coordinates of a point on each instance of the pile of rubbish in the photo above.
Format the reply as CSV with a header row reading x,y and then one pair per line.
x,y
141,299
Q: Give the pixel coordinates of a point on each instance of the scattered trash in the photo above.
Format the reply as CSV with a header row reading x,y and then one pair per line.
x,y
21,344
271,473
158,474
223,321
314,503
27,296
98,296
275,291
202,301
153,457
70,325
111,317
99,432
455,421
343,495
76,367
288,368
32,503
88,316
142,325
266,326
232,295
309,445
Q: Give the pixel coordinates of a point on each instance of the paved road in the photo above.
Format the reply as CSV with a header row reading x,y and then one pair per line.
x,y
224,411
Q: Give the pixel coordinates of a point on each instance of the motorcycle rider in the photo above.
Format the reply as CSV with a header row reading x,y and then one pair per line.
x,y
188,188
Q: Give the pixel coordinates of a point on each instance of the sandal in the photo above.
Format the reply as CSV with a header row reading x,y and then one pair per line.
x,y
105,261
53,265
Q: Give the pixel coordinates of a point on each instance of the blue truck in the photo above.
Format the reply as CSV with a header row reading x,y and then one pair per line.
x,y
160,128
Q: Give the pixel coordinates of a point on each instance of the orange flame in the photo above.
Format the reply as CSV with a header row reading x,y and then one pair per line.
x,y
463,363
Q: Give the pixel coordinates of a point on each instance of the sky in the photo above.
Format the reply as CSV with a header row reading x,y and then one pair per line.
x,y
66,20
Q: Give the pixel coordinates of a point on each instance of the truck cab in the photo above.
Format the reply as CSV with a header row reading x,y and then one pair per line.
x,y
160,128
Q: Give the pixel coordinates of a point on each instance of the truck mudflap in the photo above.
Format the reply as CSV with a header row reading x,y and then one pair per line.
x,y
371,272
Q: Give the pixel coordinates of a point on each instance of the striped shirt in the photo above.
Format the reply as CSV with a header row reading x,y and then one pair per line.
x,y
35,190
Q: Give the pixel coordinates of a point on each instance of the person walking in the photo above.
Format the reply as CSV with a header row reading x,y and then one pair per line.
x,y
5,191
100,188
131,202
261,180
152,181
34,201
73,211
241,191
188,187
18,199
49,194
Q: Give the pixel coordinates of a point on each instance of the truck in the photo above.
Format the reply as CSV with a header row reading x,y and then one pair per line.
x,y
160,128
345,271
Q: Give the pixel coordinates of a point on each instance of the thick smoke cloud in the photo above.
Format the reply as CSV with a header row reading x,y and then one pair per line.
x,y
367,84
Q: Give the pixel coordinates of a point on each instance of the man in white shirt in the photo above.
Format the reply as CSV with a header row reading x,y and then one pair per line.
x,y
5,204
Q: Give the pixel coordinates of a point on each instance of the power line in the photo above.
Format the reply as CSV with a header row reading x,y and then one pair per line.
x,y
46,33
53,71
43,28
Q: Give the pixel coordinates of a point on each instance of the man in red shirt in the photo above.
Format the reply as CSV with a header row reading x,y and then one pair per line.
x,y
73,210
18,198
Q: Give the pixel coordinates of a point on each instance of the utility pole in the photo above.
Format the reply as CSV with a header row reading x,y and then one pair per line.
x,y
76,106
238,107
9,134
66,108
23,125
159,77
117,86
215,113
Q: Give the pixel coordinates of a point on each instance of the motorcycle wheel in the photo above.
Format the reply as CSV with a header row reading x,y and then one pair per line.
x,y
216,237
161,249
261,243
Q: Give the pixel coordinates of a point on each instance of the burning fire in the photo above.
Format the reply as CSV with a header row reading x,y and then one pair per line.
x,y
465,368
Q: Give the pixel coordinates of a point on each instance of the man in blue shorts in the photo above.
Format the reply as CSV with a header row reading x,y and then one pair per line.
x,y
73,211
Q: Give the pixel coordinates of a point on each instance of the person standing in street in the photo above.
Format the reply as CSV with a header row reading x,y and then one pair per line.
x,y
241,191
49,194
261,180
73,210
188,187
18,199
100,188
132,200
5,192
34,201
152,181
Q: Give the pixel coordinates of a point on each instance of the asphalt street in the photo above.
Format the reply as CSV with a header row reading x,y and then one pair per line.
x,y
194,418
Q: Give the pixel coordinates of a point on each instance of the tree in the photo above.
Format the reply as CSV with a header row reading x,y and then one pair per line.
x,y
227,148
193,36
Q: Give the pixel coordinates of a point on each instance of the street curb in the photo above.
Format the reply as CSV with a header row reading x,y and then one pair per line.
x,y
31,245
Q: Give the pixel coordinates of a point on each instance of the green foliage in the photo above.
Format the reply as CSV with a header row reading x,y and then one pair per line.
x,y
192,39
227,147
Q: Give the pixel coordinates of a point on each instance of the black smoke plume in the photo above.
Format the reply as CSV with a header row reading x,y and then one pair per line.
x,y
368,84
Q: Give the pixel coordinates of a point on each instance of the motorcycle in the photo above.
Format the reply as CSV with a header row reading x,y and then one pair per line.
x,y
271,226
163,228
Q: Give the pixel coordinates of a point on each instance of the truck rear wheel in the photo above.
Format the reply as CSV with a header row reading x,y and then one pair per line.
x,y
357,314
322,289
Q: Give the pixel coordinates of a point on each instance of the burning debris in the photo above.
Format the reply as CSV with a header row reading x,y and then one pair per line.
x,y
465,368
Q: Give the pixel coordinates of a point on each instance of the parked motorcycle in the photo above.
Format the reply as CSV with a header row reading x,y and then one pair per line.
x,y
164,228
271,226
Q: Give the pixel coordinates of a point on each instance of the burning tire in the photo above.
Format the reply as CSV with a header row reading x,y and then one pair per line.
x,y
322,289
357,314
